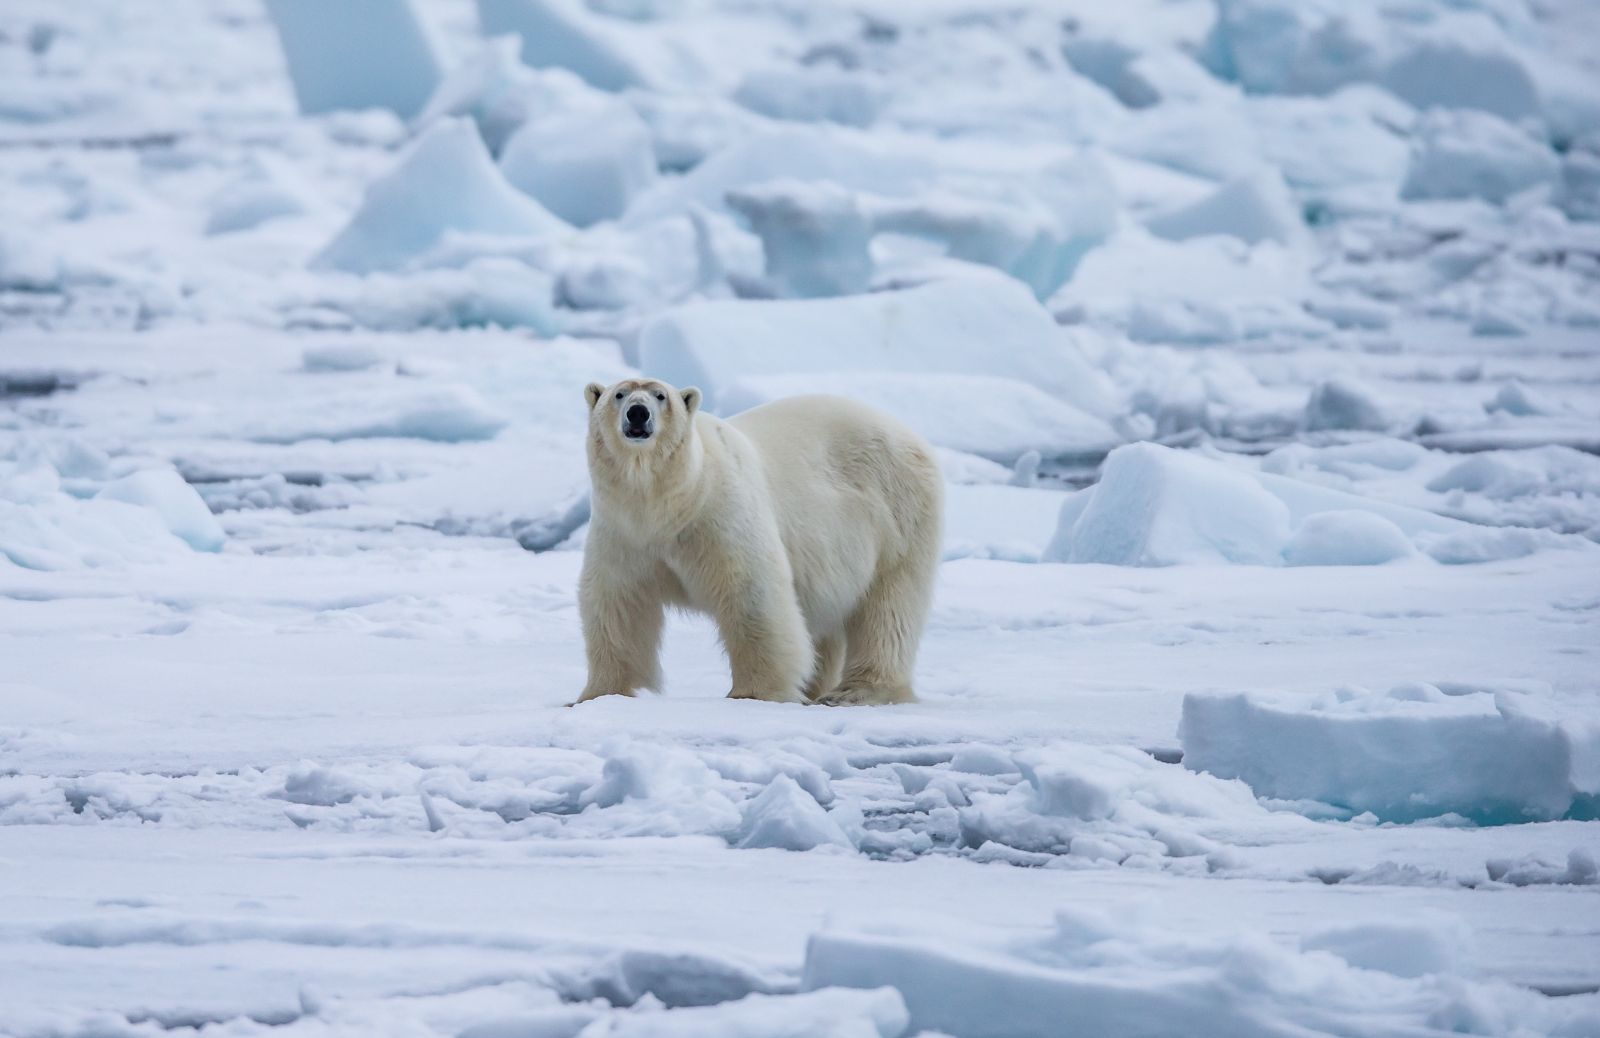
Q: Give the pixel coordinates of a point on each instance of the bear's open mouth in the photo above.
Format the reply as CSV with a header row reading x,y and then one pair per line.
x,y
637,432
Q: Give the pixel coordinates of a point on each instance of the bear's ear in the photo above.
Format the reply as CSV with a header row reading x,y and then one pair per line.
x,y
593,392
691,399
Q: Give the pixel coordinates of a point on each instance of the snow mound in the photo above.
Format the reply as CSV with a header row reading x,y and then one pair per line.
x,y
584,163
165,493
1117,977
786,817
147,516
949,327
1469,154
445,183
843,1011
499,93
1000,418
1252,208
1155,506
812,94
1412,752
356,54
1347,537
1342,404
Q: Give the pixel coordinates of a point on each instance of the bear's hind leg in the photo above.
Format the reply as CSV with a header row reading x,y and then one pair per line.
x,y
881,637
827,667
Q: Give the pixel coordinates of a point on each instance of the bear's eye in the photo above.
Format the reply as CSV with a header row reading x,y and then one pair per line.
x,y
661,396
619,396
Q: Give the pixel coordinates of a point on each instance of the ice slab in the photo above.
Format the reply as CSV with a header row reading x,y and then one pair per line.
x,y
1413,752
445,183
1468,154
958,327
987,415
1117,977
1255,207
356,54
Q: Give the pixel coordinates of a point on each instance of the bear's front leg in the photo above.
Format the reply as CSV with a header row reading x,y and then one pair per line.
x,y
769,648
622,617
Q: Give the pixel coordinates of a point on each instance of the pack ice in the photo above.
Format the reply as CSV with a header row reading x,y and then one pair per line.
x,y
1256,343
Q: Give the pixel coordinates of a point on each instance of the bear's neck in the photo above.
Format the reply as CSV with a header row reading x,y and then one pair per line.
x,y
645,490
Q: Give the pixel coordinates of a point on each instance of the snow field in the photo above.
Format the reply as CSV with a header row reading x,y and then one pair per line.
x,y
1256,341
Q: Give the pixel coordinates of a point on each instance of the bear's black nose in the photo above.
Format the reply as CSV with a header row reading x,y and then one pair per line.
x,y
638,414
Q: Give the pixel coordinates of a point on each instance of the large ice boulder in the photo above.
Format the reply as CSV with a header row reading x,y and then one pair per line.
x,y
1468,154
1347,537
584,163
988,415
499,93
446,183
356,54
1414,752
1255,207
980,326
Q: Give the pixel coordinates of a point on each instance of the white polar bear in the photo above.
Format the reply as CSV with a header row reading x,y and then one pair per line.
x,y
808,528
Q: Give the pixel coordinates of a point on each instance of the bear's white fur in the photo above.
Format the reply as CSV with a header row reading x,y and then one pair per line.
x,y
807,528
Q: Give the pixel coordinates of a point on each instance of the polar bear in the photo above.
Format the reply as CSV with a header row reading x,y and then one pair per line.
x,y
808,528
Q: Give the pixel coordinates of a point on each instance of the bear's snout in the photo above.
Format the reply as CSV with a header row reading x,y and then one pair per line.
x,y
636,422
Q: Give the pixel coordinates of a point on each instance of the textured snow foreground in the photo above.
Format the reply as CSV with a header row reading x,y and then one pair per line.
x,y
1259,342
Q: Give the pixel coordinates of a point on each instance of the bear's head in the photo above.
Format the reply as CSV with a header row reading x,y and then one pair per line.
x,y
639,417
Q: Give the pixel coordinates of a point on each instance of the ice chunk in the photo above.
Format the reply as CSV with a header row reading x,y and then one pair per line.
x,y
562,34
813,94
1252,208
950,327
843,1012
1201,290
814,235
1000,418
1468,154
341,356
1155,506
584,163
445,183
1340,403
1411,753
356,54
1464,62
446,413
265,193
499,93
164,492
1346,537
786,817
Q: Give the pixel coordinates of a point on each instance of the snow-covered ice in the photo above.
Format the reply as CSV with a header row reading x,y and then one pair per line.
x,y
1258,341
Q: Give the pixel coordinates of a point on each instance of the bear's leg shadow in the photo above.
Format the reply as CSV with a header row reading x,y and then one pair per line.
x,y
622,621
